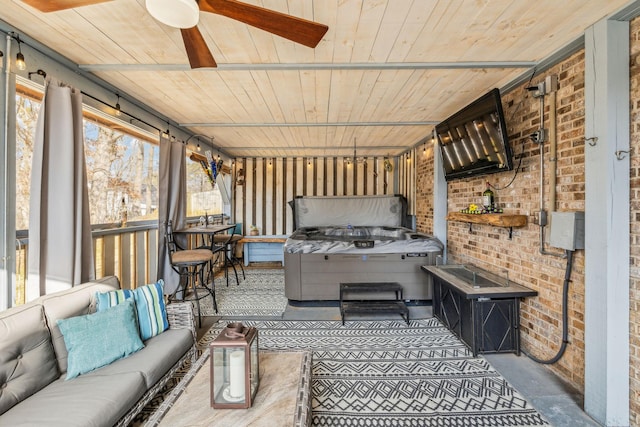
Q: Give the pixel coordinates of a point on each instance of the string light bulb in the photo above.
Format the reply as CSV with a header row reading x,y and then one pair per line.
x,y
20,63
118,110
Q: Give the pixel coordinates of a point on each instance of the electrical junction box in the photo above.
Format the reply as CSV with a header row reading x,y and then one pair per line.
x,y
567,230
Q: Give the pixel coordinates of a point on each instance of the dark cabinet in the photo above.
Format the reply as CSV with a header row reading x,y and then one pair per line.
x,y
485,318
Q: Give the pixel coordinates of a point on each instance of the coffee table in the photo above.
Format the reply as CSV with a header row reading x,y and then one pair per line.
x,y
283,397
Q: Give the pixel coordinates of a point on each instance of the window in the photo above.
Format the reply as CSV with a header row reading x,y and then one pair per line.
x,y
122,164
122,169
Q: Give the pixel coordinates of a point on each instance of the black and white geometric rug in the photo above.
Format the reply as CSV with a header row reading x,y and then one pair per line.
x,y
388,374
261,294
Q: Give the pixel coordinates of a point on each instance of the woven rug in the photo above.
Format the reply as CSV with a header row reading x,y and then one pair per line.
x,y
260,294
385,373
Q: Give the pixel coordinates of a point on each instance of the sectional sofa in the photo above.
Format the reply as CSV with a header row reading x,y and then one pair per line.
x,y
34,385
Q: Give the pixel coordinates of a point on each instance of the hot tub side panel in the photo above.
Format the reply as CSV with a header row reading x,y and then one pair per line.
x,y
310,277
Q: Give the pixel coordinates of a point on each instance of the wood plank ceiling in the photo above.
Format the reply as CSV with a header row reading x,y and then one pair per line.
x,y
384,73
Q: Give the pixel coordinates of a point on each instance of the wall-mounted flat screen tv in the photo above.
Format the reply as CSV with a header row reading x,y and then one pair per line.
x,y
474,140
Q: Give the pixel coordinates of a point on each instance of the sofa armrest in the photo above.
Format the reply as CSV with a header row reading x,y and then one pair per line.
x,y
180,316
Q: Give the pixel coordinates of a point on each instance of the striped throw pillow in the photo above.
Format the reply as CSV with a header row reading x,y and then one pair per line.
x,y
109,299
150,308
152,313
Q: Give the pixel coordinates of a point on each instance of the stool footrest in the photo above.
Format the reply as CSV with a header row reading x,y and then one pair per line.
x,y
366,306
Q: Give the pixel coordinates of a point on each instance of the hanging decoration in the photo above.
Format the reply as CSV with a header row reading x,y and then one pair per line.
x,y
211,167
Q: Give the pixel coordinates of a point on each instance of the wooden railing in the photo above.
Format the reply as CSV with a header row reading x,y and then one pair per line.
x,y
130,253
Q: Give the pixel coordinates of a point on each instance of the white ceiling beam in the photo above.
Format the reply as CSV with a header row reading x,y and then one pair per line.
x,y
349,149
308,124
313,66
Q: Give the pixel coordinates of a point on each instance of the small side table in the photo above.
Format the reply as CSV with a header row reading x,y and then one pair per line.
x,y
263,248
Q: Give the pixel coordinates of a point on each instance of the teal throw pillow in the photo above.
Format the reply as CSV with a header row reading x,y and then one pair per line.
x,y
97,339
152,313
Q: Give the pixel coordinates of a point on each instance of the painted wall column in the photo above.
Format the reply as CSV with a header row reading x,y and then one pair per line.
x,y
607,222
439,197
7,177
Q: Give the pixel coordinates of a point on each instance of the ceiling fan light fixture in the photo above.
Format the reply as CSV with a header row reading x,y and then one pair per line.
x,y
174,13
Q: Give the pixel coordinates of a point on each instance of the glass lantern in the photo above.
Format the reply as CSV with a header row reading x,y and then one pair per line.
x,y
234,367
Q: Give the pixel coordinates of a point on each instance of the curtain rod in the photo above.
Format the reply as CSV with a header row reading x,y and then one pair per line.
x,y
43,73
122,111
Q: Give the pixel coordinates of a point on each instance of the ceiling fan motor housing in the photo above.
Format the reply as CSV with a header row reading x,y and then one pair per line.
x,y
174,13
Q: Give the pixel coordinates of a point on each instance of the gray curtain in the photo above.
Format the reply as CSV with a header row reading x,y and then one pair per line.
x,y
60,245
173,204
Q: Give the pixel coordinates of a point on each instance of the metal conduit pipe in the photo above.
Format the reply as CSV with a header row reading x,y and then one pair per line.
x,y
543,213
565,315
553,148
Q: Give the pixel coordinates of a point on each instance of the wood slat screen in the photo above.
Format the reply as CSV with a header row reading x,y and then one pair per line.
x,y
270,183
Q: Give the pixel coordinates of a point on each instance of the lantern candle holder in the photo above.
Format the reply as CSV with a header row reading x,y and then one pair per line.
x,y
234,367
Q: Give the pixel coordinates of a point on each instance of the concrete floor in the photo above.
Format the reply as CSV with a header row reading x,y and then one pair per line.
x,y
555,400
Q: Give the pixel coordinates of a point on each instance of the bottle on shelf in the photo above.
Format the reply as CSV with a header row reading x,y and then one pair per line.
x,y
487,199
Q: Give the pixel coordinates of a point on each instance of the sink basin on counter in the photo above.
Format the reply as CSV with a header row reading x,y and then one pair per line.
x,y
481,308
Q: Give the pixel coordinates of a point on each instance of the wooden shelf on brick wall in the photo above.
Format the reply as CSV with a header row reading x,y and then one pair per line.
x,y
497,220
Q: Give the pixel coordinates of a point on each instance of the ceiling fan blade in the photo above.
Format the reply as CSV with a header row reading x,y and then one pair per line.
x,y
298,30
56,5
197,50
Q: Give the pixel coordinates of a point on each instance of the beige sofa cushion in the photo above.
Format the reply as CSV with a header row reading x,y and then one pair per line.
x,y
77,301
27,361
85,401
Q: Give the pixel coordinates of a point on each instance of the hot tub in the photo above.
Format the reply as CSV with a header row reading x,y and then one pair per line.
x,y
320,257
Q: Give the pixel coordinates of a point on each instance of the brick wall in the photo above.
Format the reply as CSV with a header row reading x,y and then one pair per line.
x,y
424,189
634,259
490,247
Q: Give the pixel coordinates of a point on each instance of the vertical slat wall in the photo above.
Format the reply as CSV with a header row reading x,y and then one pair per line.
x,y
270,183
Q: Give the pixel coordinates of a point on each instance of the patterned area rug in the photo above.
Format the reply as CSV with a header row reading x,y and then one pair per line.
x,y
385,373
261,294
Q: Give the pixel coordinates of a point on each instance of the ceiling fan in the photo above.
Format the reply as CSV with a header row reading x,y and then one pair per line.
x,y
184,14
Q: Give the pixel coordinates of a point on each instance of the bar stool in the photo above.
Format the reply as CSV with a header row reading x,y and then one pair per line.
x,y
223,243
190,264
